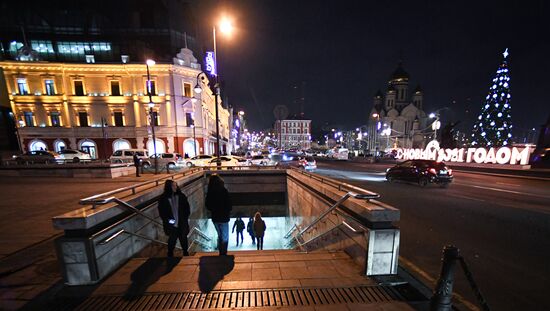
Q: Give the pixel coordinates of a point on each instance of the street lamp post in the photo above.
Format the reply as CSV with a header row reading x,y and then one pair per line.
x,y
148,63
436,125
377,127
194,138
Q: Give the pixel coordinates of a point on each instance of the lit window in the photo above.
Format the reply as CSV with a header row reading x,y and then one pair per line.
x,y
55,118
151,87
90,59
119,118
155,116
83,118
78,88
187,89
29,119
115,88
22,86
50,87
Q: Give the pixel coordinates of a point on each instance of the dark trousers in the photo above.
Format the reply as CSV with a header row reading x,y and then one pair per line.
x,y
260,244
174,235
239,233
253,238
137,170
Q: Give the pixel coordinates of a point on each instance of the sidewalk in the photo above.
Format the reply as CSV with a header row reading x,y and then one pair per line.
x,y
28,264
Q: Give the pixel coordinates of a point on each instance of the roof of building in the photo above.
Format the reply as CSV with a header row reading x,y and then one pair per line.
x,y
399,73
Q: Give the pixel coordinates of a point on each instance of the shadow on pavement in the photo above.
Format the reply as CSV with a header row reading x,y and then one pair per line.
x,y
213,269
148,273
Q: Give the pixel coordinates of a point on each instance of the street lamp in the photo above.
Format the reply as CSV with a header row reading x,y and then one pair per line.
x,y
377,116
152,118
436,125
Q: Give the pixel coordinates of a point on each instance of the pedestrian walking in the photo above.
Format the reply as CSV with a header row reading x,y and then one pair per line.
x,y
137,163
219,205
239,225
259,230
250,229
174,211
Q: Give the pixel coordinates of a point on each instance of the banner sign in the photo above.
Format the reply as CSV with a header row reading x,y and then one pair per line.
x,y
210,62
502,155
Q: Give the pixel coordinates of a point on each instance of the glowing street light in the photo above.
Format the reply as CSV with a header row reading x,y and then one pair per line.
x,y
226,26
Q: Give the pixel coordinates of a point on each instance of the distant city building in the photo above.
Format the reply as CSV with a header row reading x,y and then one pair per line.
x,y
294,133
396,118
105,31
100,108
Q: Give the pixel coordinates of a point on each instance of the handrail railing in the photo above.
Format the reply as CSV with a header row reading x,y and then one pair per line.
x,y
292,229
99,201
342,186
200,233
97,198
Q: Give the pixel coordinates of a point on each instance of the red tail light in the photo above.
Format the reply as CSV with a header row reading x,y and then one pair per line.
x,y
433,171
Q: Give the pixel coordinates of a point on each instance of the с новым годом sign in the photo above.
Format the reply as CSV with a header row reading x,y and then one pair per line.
x,y
501,155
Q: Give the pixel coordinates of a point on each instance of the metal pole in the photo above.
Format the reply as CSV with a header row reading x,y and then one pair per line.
x,y
194,140
443,292
216,95
103,121
152,117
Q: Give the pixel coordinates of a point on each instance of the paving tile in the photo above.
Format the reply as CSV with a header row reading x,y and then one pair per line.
x,y
266,274
257,265
295,273
323,272
316,282
173,287
242,259
292,264
239,275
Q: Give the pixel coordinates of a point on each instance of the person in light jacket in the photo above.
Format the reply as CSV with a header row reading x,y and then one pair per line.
x,y
174,211
259,230
219,204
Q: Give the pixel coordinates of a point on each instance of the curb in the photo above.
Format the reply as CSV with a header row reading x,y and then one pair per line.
x,y
502,175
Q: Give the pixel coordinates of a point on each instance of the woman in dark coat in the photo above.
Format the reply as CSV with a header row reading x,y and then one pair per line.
x,y
219,204
174,211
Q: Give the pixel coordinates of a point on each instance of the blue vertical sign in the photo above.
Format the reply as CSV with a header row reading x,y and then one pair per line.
x,y
210,61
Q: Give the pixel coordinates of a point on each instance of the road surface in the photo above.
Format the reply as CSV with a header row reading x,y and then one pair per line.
x,y
500,224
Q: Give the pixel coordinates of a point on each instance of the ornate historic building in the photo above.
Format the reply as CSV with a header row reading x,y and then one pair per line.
x,y
396,118
103,107
294,132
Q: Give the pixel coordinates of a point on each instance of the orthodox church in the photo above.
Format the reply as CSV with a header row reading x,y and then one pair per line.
x,y
396,119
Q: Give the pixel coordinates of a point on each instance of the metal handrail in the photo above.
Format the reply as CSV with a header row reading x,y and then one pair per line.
x,y
103,201
200,233
335,205
197,242
97,198
292,229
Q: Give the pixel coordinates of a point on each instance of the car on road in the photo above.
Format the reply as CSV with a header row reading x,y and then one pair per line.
x,y
172,160
261,160
36,156
200,160
75,156
229,161
127,156
422,172
308,163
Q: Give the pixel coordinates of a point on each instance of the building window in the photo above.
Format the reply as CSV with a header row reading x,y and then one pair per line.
x,y
90,59
22,86
151,87
121,144
78,88
189,119
187,89
29,118
115,88
49,85
55,118
119,118
59,145
155,116
83,118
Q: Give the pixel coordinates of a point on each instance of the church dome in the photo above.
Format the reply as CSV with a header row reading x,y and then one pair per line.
x,y
399,74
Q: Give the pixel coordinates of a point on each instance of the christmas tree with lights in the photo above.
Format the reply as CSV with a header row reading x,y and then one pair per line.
x,y
493,126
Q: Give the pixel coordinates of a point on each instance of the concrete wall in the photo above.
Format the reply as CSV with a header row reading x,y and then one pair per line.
x,y
377,248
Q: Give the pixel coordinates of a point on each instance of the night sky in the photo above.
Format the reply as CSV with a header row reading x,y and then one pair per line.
x,y
345,51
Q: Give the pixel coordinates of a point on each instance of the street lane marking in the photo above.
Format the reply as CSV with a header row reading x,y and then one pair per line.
x,y
507,184
465,197
504,190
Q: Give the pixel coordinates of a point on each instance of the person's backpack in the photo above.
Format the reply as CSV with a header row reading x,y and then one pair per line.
x,y
240,225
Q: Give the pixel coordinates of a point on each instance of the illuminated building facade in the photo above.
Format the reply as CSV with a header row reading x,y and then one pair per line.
x,y
100,108
294,133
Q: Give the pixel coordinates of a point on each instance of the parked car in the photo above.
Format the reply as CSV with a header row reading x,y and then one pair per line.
x,y
75,156
127,156
172,160
422,172
308,163
200,160
261,160
36,156
229,161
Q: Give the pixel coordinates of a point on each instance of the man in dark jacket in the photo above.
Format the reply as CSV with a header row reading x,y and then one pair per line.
x,y
137,163
219,204
174,211
239,225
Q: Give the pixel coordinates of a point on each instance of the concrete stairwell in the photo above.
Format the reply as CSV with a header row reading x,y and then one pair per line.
x,y
245,279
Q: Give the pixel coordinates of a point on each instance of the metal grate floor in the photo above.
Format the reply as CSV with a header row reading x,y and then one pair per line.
x,y
245,298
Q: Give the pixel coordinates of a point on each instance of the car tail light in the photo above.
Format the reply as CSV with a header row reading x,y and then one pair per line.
x,y
433,171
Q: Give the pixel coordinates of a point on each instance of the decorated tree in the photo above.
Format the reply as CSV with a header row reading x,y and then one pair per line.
x,y
493,126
